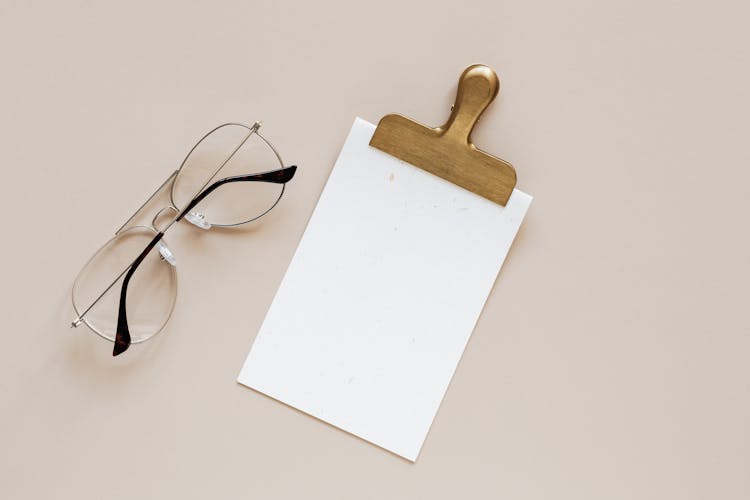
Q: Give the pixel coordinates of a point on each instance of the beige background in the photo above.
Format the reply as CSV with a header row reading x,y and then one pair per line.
x,y
611,360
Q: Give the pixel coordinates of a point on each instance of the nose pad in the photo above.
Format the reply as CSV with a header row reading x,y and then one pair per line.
x,y
166,253
198,219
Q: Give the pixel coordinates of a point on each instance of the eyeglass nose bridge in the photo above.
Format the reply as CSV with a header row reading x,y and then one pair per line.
x,y
169,207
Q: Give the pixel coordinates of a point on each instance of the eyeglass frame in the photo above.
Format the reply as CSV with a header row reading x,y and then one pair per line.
x,y
281,176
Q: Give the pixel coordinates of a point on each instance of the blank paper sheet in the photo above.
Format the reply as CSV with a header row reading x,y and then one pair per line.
x,y
381,297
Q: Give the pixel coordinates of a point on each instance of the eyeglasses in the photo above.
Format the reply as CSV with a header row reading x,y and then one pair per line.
x,y
237,167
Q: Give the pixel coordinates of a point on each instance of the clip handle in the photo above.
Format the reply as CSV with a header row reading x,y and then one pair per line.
x,y
477,88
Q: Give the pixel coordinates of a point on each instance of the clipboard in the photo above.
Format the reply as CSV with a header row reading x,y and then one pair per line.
x,y
391,275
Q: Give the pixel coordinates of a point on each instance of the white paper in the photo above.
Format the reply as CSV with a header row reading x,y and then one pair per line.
x,y
381,296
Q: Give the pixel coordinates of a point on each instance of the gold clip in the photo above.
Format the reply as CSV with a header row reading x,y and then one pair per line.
x,y
447,151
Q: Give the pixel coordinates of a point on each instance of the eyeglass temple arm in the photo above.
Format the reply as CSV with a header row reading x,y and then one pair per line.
x,y
281,176
122,338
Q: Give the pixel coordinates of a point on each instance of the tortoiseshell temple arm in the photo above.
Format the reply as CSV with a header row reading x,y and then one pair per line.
x,y
281,176
122,337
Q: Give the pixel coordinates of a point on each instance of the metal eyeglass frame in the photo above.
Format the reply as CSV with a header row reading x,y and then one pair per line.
x,y
280,176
